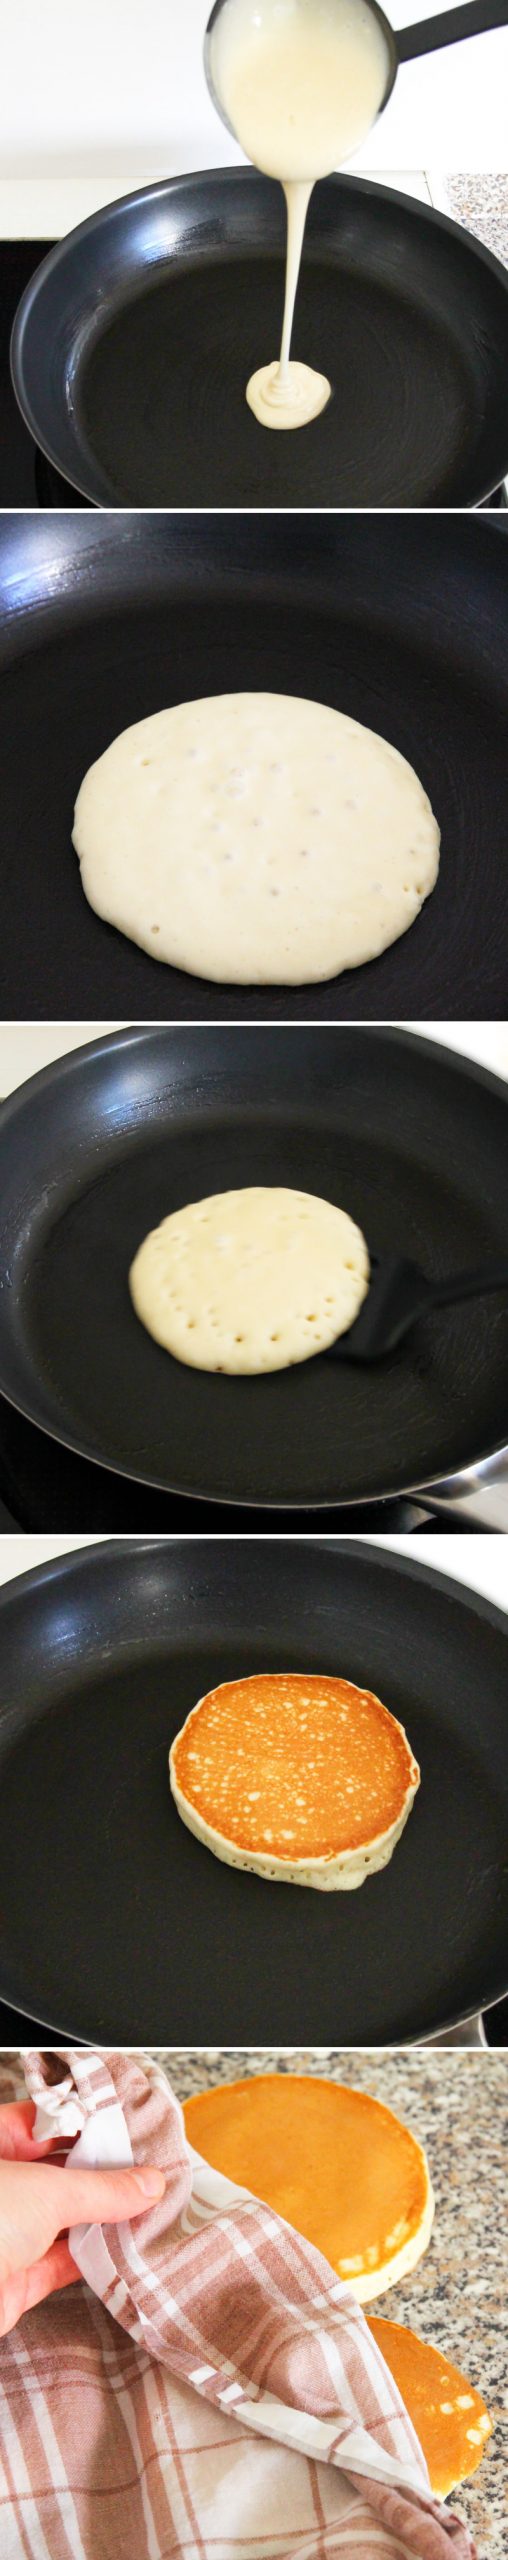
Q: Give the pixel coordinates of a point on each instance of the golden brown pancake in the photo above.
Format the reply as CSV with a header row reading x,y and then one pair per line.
x,y
448,2414
332,2161
303,1778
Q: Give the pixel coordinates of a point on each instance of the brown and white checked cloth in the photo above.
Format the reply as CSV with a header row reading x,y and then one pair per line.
x,y
213,2391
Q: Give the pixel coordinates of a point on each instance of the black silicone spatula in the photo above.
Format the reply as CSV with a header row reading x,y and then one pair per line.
x,y
398,1294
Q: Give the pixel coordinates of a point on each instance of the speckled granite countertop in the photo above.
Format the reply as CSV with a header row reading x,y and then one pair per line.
x,y
457,2105
481,202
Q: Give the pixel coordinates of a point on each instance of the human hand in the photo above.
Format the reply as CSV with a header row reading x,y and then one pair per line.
x,y
40,2202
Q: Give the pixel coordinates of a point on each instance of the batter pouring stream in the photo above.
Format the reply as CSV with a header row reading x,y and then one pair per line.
x,y
301,83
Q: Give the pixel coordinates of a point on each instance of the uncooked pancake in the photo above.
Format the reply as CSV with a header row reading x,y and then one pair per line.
x,y
256,839
448,2414
286,394
250,1280
335,2163
299,1778
290,401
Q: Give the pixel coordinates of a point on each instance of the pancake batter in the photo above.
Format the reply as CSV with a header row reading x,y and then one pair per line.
x,y
256,839
301,85
250,1280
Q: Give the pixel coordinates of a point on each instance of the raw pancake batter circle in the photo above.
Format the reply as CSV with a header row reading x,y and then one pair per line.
x,y
250,1280
291,402
255,838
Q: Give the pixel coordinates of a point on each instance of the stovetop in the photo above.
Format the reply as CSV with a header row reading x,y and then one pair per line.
x,y
26,478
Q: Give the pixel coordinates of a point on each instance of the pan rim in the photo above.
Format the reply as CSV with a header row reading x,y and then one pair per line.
x,y
390,1560
200,179
136,1034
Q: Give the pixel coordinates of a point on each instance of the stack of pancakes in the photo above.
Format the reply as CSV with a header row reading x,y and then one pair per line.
x,y
346,2173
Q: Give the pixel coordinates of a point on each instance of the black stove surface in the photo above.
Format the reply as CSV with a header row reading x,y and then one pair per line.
x,y
26,478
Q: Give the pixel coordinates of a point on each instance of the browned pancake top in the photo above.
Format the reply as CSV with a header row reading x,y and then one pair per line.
x,y
294,1765
334,2162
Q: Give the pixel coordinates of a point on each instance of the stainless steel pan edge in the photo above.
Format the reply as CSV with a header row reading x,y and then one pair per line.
x,y
478,1498
469,2036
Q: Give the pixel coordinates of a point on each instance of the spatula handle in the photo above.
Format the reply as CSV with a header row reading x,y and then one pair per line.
x,y
469,1284
450,27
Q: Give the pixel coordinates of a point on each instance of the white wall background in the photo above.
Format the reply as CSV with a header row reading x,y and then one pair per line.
x,y
117,86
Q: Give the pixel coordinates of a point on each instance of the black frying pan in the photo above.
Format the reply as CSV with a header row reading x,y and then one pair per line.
x,y
402,622
116,1925
135,339
96,1150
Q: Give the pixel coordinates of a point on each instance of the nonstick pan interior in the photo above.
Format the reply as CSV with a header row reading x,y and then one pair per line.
x,y
133,348
117,1926
99,1148
403,623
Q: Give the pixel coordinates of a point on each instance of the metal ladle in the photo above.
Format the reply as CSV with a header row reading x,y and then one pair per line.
x,y
451,26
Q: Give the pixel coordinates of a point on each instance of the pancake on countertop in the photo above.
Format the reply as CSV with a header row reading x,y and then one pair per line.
x,y
448,2414
337,2165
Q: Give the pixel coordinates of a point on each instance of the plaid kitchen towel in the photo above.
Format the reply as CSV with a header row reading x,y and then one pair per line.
x,y
234,2405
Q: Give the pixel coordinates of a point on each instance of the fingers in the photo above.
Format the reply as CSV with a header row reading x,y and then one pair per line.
x,y
30,2285
16,2134
98,2195
38,2200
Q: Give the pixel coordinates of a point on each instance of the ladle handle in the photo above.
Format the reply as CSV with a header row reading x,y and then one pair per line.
x,y
474,19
